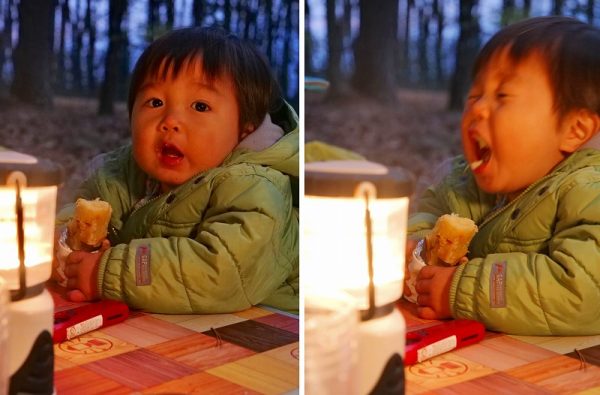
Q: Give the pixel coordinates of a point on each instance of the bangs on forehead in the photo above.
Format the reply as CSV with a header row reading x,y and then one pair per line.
x,y
519,41
171,66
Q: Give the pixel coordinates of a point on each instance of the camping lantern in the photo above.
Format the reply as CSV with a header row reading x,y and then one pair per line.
x,y
354,218
28,188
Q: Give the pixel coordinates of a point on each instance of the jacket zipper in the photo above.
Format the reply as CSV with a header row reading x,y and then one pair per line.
x,y
500,210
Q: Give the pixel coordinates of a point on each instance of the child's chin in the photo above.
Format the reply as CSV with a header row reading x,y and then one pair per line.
x,y
486,186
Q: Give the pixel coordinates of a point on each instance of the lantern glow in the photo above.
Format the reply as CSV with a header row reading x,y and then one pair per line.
x,y
39,205
354,217
28,189
340,241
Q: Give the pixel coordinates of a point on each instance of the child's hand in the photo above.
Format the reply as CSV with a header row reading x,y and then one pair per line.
x,y
82,274
433,287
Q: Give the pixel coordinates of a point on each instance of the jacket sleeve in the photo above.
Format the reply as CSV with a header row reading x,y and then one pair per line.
x,y
241,253
540,294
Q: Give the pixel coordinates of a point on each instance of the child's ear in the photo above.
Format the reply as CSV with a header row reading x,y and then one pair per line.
x,y
581,126
246,131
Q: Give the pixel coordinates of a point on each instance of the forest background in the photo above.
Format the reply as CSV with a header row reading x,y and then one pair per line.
x,y
65,66
399,71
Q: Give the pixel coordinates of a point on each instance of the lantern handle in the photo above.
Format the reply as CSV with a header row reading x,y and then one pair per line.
x,y
20,293
368,190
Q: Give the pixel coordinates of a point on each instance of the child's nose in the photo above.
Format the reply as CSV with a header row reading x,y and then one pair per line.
x,y
480,108
169,123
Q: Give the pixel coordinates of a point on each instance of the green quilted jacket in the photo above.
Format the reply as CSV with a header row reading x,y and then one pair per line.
x,y
222,242
534,265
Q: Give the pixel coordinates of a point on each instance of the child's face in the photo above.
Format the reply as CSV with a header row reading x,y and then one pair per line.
x,y
183,126
511,132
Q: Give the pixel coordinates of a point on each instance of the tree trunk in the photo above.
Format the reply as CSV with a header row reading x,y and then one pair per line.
x,y
269,27
287,48
6,41
589,11
198,12
77,42
422,46
61,64
374,49
526,8
33,55
115,53
227,14
170,14
90,28
466,51
152,20
308,42
557,6
509,12
406,49
335,46
438,10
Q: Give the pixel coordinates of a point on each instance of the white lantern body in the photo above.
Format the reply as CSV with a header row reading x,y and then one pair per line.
x,y
335,246
354,217
28,188
335,242
39,206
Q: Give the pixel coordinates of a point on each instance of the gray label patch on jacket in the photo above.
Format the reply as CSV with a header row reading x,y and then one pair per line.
x,y
142,265
498,285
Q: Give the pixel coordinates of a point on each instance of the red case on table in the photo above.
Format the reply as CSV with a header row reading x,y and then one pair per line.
x,y
82,319
428,342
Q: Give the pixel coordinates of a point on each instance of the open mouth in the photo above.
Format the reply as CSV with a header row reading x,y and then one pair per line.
x,y
483,153
170,154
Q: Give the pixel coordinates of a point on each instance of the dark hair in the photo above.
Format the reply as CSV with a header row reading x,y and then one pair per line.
x,y
571,50
257,91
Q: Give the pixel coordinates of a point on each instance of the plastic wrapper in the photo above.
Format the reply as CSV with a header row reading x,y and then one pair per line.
x,y
62,252
414,267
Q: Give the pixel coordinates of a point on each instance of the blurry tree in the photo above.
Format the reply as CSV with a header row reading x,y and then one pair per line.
x,y
61,62
557,7
82,27
160,19
526,8
403,57
32,57
6,39
438,15
424,18
466,51
589,11
117,42
335,37
509,12
373,49
308,42
198,12
90,31
76,48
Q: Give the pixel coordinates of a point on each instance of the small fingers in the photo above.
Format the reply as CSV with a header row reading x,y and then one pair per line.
x,y
426,272
423,299
72,282
77,296
74,257
423,286
71,270
426,312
